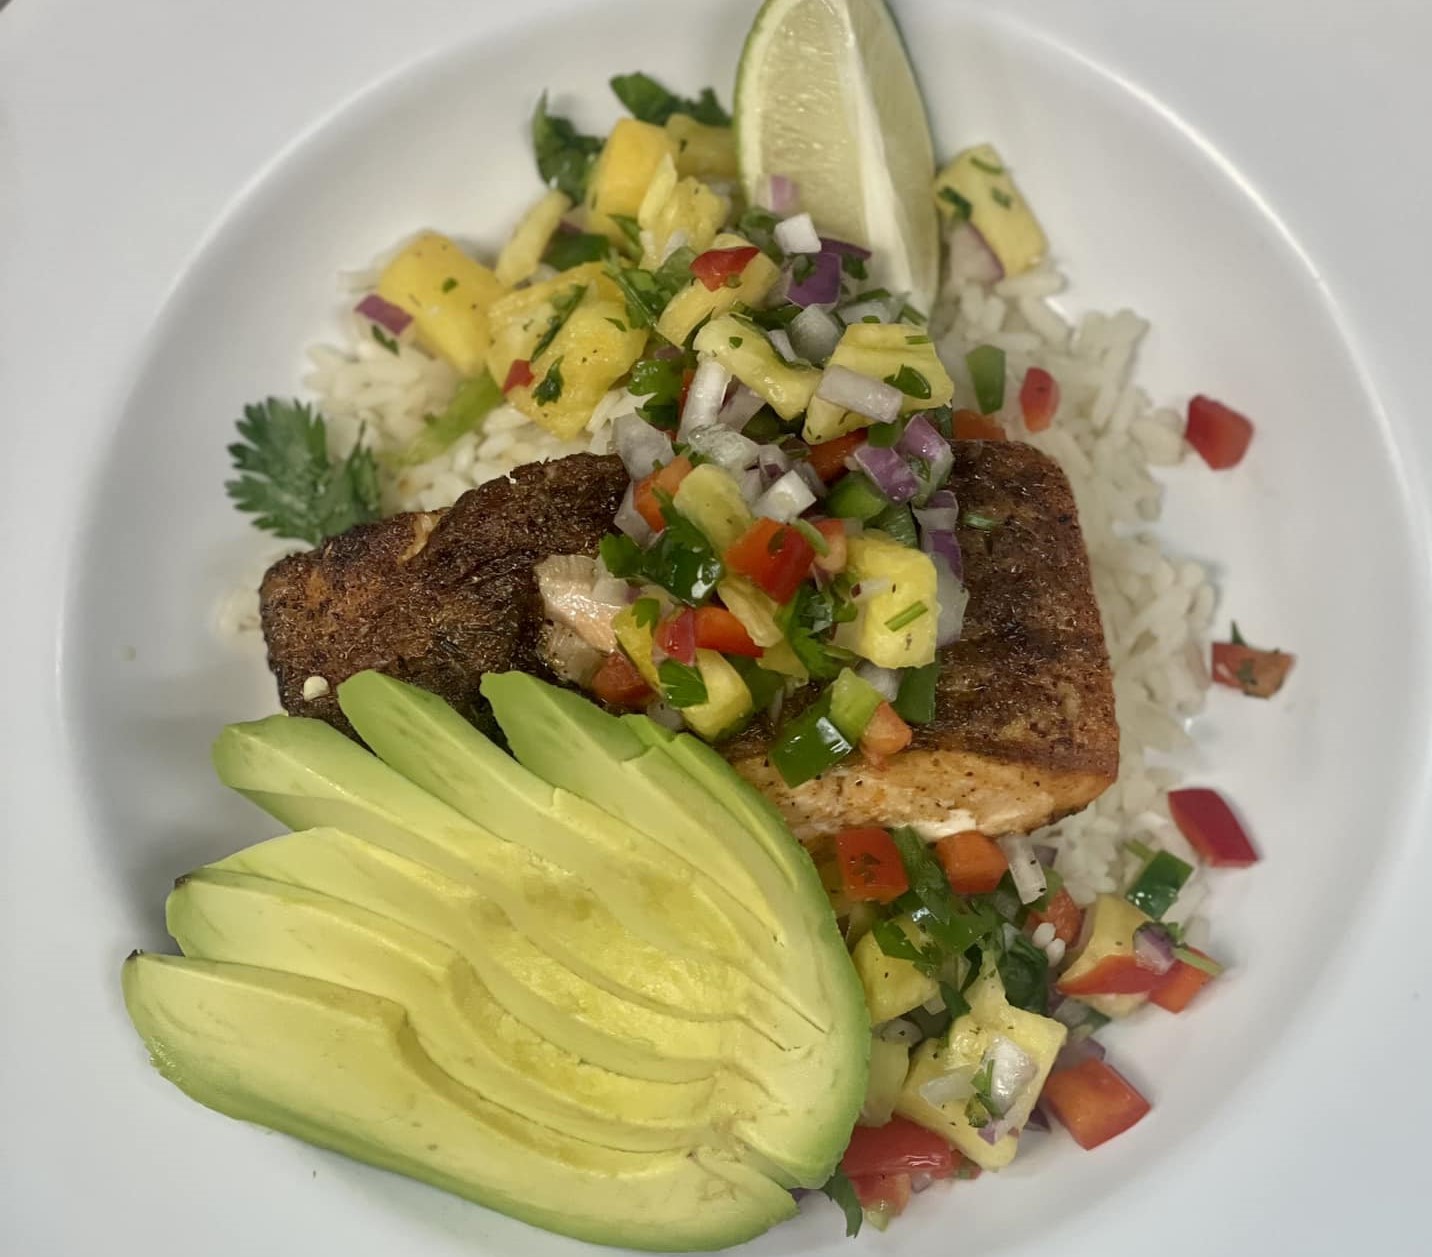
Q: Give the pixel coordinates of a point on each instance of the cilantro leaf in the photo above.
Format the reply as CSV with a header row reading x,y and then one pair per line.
x,y
562,307
288,481
682,685
1024,970
564,155
659,380
550,389
842,1191
648,101
569,249
647,292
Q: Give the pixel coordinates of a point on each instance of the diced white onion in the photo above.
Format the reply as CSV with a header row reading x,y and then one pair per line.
x,y
703,400
1024,867
630,520
948,1088
641,447
666,716
849,389
878,309
724,446
753,484
677,240
971,259
886,680
866,589
953,598
798,235
900,1030
814,333
786,499
782,344
1011,1071
806,472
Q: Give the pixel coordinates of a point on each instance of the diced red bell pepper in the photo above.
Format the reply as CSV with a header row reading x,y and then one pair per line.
x,y
1066,916
871,870
1093,1101
1179,985
618,684
1038,399
1206,820
898,1147
1121,974
718,629
884,1193
716,267
973,862
777,557
676,636
837,546
886,734
1218,432
519,375
665,480
828,458
970,425
1258,673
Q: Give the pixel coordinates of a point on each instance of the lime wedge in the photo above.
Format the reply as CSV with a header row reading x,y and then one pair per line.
x,y
826,96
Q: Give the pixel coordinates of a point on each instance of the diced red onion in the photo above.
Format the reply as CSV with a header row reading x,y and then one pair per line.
x,y
886,680
843,247
781,342
641,447
802,468
889,472
942,545
866,396
938,518
921,440
724,446
778,194
384,313
773,461
814,333
1024,869
630,521
797,234
993,1132
666,352
786,499
1071,1013
821,285
1072,1054
704,398
1038,1120
1153,948
740,407
943,498
972,261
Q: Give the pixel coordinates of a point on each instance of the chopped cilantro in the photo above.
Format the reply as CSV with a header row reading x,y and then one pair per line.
x,y
564,156
918,340
853,266
840,1189
562,306
973,519
1001,198
648,101
681,684
631,231
989,167
736,342
646,612
1236,637
550,389
961,207
384,339
449,284
572,248
759,227
647,292
659,380
1024,970
910,382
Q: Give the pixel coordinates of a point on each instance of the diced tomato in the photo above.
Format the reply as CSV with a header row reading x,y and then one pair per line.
x,y
1038,398
886,734
1179,985
884,1193
870,866
1218,432
1206,820
1066,916
718,629
773,555
970,425
1093,1101
1114,975
828,458
973,863
716,266
618,684
1258,673
519,375
677,636
666,480
898,1147
837,545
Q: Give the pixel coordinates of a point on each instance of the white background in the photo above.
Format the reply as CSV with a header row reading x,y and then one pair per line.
x,y
126,129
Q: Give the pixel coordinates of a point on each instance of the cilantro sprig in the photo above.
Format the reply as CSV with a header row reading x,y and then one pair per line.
x,y
289,483
648,101
564,155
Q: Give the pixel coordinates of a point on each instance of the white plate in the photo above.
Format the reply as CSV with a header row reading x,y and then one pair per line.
x,y
181,183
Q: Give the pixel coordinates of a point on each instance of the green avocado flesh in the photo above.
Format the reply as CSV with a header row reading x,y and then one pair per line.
x,y
595,985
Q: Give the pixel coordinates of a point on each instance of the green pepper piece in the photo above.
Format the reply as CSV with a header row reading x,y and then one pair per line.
x,y
854,497
853,701
809,745
1158,885
986,364
915,701
899,522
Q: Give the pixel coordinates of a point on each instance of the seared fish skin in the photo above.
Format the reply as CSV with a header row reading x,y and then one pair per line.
x,y
434,598
1024,730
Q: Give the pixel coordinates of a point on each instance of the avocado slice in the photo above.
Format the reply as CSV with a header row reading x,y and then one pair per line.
x,y
260,1045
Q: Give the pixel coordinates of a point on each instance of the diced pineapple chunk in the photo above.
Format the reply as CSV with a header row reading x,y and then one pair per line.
x,y
637,641
520,318
696,302
1113,921
889,1063
678,212
781,658
899,353
962,1050
728,700
702,151
742,348
893,985
754,607
522,254
448,295
979,178
906,578
629,159
711,499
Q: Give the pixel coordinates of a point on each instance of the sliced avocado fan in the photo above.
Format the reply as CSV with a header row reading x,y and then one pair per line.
x,y
595,984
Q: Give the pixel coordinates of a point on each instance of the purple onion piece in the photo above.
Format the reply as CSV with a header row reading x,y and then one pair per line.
x,y
773,462
971,258
938,518
1038,1119
942,544
1073,1053
1153,948
843,247
943,498
821,285
666,352
889,472
384,313
779,194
